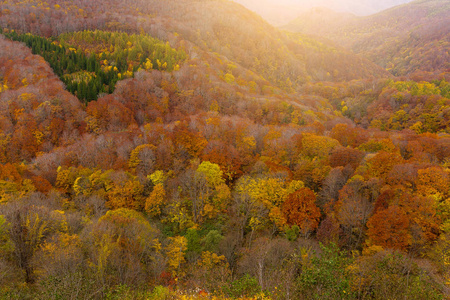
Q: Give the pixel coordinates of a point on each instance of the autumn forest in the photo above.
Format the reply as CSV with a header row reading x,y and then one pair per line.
x,y
187,149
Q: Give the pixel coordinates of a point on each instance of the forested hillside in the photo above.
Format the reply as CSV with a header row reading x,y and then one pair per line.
x,y
403,39
217,26
189,150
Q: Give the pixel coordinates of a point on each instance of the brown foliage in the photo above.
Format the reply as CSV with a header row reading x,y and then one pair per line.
x,y
389,228
329,230
41,184
300,209
341,157
191,142
349,136
226,156
382,163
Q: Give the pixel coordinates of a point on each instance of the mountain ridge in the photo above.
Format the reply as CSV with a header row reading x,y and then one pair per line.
x,y
281,12
403,39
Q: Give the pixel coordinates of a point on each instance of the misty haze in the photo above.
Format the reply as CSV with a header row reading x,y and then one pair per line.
x,y
280,12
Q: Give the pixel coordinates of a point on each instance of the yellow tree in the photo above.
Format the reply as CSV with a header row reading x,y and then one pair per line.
x,y
142,159
175,252
204,191
314,146
433,182
264,198
124,245
156,199
212,270
219,191
28,226
127,194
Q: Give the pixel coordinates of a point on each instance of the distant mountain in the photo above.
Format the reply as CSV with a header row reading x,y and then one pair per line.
x,y
403,39
320,22
281,12
214,26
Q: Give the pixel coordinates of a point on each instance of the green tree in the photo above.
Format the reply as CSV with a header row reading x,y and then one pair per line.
x,y
325,276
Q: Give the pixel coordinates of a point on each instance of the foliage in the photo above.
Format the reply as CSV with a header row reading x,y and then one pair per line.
x,y
389,229
300,209
175,254
246,286
326,276
215,168
384,273
87,68
292,232
155,201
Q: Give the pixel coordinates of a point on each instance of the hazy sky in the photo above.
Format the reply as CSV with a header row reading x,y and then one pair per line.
x,y
280,12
